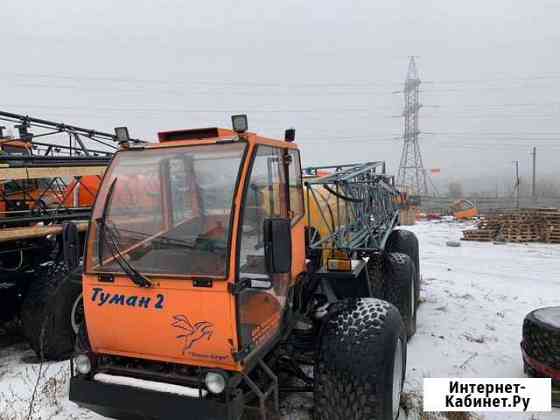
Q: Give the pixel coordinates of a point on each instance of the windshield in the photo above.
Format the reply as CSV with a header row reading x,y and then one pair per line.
x,y
168,211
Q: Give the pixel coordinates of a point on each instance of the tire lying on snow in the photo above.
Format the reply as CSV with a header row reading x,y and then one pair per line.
x,y
361,362
397,285
541,339
406,242
51,311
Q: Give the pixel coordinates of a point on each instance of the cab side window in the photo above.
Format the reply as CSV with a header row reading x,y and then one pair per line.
x,y
265,197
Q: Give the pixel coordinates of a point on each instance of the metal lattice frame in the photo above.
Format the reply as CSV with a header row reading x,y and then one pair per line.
x,y
358,203
48,145
411,177
66,140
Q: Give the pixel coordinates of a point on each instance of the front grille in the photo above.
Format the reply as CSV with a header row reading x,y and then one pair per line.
x,y
172,373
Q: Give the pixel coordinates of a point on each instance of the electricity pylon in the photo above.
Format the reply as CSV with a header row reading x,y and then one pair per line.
x,y
411,177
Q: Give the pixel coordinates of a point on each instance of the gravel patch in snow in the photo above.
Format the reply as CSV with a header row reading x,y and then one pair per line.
x,y
475,298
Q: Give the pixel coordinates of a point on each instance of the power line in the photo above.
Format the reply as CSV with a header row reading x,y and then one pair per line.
x,y
358,112
133,80
495,133
211,85
201,110
130,79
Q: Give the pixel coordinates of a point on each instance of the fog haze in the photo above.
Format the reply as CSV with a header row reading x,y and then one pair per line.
x,y
490,72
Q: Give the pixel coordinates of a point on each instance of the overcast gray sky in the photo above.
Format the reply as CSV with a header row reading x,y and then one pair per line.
x,y
490,69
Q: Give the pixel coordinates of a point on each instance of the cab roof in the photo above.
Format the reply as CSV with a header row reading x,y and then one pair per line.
x,y
195,134
188,137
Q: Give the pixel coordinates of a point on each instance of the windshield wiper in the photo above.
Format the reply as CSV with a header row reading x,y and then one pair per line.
x,y
137,277
101,222
105,230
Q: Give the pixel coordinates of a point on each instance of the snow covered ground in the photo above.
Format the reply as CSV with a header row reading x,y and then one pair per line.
x,y
475,298
469,325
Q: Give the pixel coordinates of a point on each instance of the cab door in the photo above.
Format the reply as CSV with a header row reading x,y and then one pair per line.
x,y
266,196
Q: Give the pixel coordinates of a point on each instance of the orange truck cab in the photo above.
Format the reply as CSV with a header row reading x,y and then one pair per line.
x,y
199,286
194,214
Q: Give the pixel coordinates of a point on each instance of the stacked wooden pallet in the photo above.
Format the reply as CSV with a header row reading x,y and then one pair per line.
x,y
551,231
486,231
519,225
407,216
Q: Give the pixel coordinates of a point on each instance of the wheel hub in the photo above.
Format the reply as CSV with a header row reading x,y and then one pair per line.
x,y
77,314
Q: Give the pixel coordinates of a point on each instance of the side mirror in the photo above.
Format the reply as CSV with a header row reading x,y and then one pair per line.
x,y
278,245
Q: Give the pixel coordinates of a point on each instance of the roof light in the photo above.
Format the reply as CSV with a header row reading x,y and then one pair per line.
x,y
122,134
290,135
239,123
23,133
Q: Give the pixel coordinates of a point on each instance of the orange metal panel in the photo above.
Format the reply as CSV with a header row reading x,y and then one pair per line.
x,y
175,321
466,214
172,322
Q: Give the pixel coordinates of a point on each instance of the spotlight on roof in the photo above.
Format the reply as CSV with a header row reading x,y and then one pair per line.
x,y
239,123
122,135
290,135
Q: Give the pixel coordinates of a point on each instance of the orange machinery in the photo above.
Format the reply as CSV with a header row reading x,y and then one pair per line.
x,y
464,209
49,177
24,191
197,271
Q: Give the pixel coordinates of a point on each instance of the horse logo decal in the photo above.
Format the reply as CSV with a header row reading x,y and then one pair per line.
x,y
192,333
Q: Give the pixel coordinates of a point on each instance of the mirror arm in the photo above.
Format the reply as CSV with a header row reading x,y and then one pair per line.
x,y
246,283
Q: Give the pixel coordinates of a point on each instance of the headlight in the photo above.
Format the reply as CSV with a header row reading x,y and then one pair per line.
x,y
83,364
215,382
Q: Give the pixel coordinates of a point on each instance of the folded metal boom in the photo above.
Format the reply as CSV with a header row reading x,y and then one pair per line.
x,y
357,202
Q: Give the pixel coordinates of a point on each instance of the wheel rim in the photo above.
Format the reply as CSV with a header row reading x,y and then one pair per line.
x,y
397,378
77,314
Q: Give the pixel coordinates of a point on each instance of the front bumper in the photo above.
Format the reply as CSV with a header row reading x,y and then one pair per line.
x,y
120,401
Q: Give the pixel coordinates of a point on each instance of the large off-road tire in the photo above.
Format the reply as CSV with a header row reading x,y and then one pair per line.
x,y
51,310
361,362
406,242
396,285
541,340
